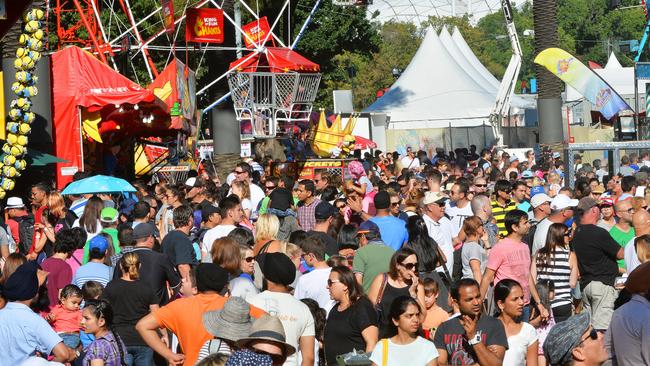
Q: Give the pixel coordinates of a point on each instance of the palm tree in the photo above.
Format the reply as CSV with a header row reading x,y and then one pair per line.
x,y
549,87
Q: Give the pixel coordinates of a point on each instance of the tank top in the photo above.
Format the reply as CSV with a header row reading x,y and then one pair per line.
x,y
390,294
558,271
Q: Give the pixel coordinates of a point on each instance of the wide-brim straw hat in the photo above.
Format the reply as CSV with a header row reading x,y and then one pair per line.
x,y
231,323
268,328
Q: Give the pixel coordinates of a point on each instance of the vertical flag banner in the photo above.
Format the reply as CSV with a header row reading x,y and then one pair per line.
x,y
204,25
168,15
573,72
257,31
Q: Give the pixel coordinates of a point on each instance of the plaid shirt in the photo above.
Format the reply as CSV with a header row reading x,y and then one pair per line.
x,y
115,258
105,348
306,215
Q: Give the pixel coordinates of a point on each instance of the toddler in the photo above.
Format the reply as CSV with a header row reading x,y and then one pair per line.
x,y
65,317
546,291
435,315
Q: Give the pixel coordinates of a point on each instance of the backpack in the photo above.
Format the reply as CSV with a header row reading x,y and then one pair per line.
x,y
25,233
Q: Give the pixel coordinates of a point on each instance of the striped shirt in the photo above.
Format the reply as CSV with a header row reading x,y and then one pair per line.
x,y
92,271
558,271
499,213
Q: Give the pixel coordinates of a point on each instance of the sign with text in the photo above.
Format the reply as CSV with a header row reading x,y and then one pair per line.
x,y
204,25
256,31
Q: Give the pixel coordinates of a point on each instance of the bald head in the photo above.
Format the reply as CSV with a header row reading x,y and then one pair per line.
x,y
640,221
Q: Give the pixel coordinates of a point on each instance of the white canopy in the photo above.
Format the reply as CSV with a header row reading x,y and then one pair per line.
x,y
419,11
445,85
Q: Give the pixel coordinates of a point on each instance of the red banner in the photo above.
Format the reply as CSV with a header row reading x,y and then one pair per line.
x,y
204,25
168,15
257,31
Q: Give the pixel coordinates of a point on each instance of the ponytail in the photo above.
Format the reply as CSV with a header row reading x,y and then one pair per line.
x,y
130,263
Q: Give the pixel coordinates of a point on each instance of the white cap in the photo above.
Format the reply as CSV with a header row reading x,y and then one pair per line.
x,y
434,197
539,199
562,201
190,181
15,202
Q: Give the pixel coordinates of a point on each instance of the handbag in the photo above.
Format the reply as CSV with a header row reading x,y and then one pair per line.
x,y
354,358
379,297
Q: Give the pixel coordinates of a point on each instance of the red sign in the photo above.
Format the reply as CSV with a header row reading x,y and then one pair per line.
x,y
257,32
204,25
168,15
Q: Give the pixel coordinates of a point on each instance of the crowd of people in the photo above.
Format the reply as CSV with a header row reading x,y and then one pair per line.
x,y
455,259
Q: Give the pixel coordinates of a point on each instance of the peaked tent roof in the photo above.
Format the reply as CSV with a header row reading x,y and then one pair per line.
x,y
613,63
444,84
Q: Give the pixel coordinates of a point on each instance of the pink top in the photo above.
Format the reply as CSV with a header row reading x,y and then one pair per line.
x,y
511,259
66,321
75,260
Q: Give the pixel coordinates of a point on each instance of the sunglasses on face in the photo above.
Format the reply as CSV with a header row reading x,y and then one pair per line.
x,y
593,334
394,204
268,188
249,259
410,266
481,185
340,207
331,282
239,171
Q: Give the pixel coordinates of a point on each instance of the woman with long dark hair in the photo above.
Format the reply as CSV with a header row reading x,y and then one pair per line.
x,y
405,347
352,322
90,219
429,256
400,280
556,262
107,349
522,337
131,300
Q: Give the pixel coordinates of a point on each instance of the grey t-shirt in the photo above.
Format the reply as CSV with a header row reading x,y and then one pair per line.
x,y
473,250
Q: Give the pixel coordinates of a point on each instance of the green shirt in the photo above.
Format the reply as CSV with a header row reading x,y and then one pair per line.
x,y
622,238
371,260
116,243
264,205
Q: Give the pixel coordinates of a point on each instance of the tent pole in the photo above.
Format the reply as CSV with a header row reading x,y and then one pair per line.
x,y
484,137
467,130
451,138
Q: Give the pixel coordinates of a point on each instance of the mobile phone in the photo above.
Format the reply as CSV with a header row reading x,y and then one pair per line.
x,y
620,281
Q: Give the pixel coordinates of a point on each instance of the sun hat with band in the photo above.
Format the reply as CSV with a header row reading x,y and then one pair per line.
x,y
232,322
268,329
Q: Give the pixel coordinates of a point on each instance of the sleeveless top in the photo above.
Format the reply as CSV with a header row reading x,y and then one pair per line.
x,y
558,271
390,294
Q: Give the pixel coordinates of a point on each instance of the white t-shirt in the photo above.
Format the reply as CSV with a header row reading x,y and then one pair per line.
x,y
295,316
90,235
409,163
313,285
417,353
518,346
246,204
458,215
242,287
631,258
213,234
539,241
257,194
442,232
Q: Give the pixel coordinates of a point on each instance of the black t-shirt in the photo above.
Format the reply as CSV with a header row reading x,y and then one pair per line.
x,y
343,329
331,246
130,301
596,253
155,270
451,337
178,248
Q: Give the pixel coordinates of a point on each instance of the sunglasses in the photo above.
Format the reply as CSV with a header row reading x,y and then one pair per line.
x,y
239,171
249,259
593,334
410,266
340,207
481,185
268,188
394,204
331,282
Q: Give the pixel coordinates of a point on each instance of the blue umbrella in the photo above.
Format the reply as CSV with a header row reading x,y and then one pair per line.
x,y
99,184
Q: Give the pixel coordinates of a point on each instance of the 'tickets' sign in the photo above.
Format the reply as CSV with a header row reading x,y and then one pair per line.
x,y
168,15
204,25
257,31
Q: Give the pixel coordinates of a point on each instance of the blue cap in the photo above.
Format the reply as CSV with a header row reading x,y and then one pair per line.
x,y
527,174
98,242
367,226
536,190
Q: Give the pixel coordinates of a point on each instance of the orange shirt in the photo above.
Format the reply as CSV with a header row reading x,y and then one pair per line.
x,y
66,321
184,318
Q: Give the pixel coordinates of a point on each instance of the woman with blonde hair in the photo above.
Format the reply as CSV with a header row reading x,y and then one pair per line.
x,y
59,214
243,191
131,300
412,201
266,234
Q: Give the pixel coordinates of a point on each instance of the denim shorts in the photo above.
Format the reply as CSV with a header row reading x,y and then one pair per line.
x,y
70,339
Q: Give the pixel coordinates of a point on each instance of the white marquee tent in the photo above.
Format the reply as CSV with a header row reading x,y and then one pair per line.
x,y
444,88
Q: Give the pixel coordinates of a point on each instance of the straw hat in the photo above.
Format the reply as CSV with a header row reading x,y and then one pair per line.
x,y
268,328
231,323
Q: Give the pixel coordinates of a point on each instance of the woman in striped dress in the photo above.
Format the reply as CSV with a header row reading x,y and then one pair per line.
x,y
557,263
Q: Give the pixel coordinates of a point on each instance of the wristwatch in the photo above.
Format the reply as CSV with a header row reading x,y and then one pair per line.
x,y
475,340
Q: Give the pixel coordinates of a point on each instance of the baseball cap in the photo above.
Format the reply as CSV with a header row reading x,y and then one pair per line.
x,y
556,155
109,214
367,226
434,197
536,190
99,242
190,181
324,210
586,203
514,158
599,189
606,201
527,174
564,337
562,201
538,199
14,202
208,210
143,230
